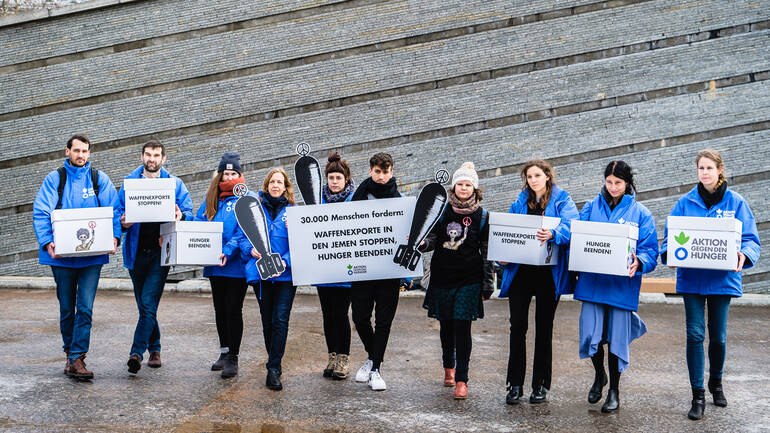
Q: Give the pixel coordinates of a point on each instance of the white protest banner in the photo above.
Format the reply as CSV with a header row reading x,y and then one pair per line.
x,y
349,241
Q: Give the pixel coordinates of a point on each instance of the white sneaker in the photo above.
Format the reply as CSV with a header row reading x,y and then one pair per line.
x,y
376,382
363,373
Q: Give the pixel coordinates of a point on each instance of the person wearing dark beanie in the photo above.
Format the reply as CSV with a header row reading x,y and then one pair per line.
x,y
228,280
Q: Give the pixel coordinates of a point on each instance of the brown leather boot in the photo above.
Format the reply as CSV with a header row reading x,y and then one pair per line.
x,y
67,363
154,361
461,391
78,369
449,377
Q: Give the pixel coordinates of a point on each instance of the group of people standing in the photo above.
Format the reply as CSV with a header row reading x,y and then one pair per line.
x,y
461,276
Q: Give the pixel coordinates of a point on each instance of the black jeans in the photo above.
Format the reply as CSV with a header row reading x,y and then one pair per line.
x,y
335,303
228,294
456,338
531,281
380,296
275,301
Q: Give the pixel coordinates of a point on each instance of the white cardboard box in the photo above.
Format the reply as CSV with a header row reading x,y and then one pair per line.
x,y
512,239
82,232
150,200
191,243
705,243
602,248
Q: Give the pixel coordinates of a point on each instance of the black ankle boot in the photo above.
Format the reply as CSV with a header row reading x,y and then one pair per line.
x,y
612,403
538,394
273,380
595,393
715,388
514,394
219,363
698,404
231,366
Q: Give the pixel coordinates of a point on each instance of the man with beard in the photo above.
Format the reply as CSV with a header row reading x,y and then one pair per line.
x,y
74,185
141,256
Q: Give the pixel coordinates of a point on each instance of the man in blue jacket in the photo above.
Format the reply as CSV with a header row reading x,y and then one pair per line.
x,y
71,187
141,256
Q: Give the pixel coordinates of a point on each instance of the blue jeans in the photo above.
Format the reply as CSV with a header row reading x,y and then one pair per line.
x,y
76,290
694,306
275,301
149,278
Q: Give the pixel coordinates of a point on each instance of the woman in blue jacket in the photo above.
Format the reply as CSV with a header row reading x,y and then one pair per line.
x,y
713,199
228,280
608,313
335,297
276,294
540,196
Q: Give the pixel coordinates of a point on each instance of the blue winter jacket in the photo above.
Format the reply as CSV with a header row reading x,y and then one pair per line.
x,y
614,290
279,243
234,268
130,244
713,281
347,285
560,206
78,185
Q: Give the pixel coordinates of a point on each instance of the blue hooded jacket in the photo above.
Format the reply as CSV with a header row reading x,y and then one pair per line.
x,y
234,268
614,290
559,206
131,242
78,184
279,243
713,281
346,285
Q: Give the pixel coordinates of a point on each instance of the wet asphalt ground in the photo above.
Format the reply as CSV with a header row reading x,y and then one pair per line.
x,y
185,396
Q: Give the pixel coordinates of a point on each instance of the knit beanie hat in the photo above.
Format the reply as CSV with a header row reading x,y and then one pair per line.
x,y
230,161
467,171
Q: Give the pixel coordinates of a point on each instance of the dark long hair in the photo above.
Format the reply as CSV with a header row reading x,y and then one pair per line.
x,y
549,171
622,171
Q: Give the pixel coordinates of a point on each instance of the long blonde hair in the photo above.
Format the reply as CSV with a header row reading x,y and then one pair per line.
x,y
549,171
289,193
717,158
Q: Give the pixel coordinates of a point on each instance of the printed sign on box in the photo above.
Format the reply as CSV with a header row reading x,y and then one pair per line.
x,y
602,248
82,232
150,200
350,241
512,239
705,243
191,243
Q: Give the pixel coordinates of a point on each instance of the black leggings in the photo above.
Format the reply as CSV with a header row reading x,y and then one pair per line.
x,y
612,360
335,303
456,336
228,294
531,281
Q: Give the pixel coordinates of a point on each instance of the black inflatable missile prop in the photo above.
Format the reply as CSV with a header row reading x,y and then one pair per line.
x,y
307,171
430,205
251,219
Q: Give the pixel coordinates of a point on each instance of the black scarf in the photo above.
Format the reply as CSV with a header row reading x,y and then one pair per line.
x,y
710,199
274,204
332,197
378,190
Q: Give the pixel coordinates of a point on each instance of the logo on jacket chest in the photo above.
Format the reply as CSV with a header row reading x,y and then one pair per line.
x,y
88,192
725,213
630,223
